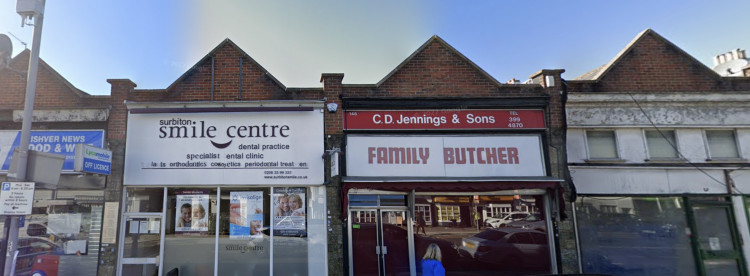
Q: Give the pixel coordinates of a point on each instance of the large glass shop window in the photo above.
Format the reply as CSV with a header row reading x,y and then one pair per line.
x,y
258,227
244,241
634,236
62,233
189,243
509,243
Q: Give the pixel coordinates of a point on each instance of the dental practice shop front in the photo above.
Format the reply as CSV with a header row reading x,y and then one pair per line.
x,y
224,189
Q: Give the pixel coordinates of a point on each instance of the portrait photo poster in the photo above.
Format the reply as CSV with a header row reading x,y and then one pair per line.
x,y
191,212
245,215
289,211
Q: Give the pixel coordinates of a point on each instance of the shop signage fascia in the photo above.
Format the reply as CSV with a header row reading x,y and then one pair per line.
x,y
444,119
91,159
210,146
517,155
62,142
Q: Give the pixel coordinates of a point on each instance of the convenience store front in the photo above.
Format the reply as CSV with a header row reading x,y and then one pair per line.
x,y
409,185
224,189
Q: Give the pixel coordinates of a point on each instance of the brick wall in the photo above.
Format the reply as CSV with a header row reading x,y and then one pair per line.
x,y
653,64
52,90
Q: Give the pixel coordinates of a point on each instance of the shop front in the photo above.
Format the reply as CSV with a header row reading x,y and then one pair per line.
x,y
418,177
63,233
224,189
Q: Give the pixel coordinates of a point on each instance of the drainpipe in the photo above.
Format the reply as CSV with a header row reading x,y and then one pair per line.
x,y
212,78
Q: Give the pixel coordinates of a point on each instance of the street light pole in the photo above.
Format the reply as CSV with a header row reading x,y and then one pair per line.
x,y
28,111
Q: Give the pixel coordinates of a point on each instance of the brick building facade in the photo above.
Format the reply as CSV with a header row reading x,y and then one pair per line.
x,y
658,149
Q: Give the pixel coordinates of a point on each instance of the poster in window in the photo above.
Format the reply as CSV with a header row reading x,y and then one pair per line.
x,y
192,212
245,215
289,211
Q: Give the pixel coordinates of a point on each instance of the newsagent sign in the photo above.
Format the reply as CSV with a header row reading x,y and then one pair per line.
x,y
444,156
278,147
444,119
61,142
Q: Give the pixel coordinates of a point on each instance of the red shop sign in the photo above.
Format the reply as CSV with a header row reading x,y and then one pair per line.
x,y
444,119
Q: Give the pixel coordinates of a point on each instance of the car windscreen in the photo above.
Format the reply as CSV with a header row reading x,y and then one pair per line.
x,y
491,234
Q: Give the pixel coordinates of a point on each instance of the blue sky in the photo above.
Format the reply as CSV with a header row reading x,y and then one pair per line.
x,y
154,42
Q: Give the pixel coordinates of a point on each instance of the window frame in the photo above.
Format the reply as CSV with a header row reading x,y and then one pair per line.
x,y
676,148
709,154
590,158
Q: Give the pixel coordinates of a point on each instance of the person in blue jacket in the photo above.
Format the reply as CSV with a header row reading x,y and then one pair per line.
x,y
431,265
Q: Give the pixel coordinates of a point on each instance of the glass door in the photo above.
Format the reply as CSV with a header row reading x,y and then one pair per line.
x,y
379,242
142,244
715,240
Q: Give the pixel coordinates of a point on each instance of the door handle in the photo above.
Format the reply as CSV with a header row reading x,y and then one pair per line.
x,y
381,249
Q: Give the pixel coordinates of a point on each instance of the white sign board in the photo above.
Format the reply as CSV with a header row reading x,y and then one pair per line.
x,y
228,148
92,159
16,198
444,156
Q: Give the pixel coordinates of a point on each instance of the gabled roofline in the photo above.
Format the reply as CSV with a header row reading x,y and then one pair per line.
x,y
216,49
445,44
78,92
607,67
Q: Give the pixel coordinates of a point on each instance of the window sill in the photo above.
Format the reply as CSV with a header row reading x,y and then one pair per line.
x,y
603,160
665,160
726,160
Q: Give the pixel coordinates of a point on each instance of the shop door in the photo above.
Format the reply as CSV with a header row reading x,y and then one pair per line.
x,y
715,239
379,242
142,244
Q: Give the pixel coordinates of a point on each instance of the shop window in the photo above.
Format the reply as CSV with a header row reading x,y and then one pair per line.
x,y
190,235
392,200
144,200
601,144
610,240
363,200
520,247
661,144
300,239
61,226
363,216
722,144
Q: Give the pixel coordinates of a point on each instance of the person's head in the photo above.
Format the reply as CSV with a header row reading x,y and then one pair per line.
x,y
185,210
295,202
199,212
433,253
284,203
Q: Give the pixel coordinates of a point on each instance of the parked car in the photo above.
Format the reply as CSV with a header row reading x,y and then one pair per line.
x,y
533,222
508,247
504,218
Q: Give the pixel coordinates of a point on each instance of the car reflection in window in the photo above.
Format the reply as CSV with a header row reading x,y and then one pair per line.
x,y
508,248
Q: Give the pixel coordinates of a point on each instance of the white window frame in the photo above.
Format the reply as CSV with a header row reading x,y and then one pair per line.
x,y
426,212
455,213
676,145
588,150
708,146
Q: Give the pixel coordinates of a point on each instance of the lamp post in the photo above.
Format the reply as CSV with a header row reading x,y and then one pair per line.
x,y
28,9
